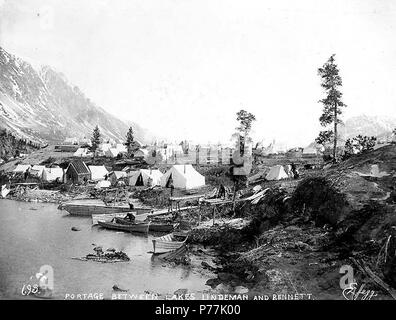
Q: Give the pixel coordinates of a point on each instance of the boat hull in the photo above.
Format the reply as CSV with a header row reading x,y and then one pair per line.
x,y
154,227
89,210
139,227
168,242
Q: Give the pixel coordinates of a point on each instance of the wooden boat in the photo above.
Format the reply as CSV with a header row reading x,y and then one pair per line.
x,y
171,255
88,208
137,227
169,242
154,226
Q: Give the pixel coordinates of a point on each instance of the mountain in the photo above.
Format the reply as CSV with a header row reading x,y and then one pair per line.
x,y
41,105
368,126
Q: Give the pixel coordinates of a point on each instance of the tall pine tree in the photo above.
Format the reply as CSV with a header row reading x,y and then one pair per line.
x,y
332,104
95,139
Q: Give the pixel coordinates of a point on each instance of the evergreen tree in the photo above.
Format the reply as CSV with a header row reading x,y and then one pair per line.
x,y
131,144
245,125
95,139
332,103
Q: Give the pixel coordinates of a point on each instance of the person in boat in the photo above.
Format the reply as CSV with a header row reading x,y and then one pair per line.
x,y
129,216
130,205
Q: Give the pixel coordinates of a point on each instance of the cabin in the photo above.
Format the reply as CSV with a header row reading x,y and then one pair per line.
x,y
77,172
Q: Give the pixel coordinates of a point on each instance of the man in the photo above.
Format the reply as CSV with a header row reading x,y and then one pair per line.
x,y
294,171
130,216
222,192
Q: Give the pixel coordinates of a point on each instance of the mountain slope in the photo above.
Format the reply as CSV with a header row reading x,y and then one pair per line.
x,y
368,126
41,105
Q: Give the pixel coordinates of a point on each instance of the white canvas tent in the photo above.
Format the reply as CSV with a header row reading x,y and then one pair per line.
x,y
37,171
183,177
276,173
52,174
21,168
115,176
81,152
103,184
141,153
98,172
112,153
142,176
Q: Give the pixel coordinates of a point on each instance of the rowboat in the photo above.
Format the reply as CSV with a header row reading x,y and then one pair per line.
x,y
169,242
88,208
137,227
154,226
171,255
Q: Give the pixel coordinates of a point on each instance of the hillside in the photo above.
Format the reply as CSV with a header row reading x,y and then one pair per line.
x,y
43,106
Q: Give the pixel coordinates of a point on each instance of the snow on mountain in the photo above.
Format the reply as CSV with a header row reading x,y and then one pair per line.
x,y
40,104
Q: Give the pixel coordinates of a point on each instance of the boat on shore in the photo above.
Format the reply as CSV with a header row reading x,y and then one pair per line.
x,y
89,208
137,227
169,242
154,226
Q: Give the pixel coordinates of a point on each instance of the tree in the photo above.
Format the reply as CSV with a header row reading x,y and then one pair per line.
x,y
245,125
332,103
131,144
359,144
95,139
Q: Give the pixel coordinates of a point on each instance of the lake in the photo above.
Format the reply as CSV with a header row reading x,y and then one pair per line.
x,y
37,234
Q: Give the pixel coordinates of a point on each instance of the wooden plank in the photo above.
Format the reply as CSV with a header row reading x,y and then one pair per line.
x,y
190,197
165,211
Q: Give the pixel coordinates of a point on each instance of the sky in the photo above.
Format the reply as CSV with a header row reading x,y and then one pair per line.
x,y
183,68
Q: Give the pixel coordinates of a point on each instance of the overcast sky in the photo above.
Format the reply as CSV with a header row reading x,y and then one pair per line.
x,y
183,68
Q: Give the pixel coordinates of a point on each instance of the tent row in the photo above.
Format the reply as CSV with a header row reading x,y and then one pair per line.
x,y
41,172
180,176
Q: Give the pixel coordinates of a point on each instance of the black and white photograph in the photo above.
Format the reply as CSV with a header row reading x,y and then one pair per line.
x,y
192,150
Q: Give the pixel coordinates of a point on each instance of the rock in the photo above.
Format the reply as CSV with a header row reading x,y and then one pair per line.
x,y
241,290
206,265
75,229
213,282
117,288
225,276
180,292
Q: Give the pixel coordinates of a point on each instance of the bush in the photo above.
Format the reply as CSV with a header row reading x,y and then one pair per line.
x,y
315,199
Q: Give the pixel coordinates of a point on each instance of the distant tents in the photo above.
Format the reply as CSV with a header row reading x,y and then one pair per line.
x,y
82,152
183,177
276,173
145,177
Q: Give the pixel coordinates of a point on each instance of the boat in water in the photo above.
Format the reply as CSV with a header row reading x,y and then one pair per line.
x,y
154,226
169,242
137,227
89,208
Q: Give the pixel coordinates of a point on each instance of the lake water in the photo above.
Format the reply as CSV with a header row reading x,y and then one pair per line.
x,y
36,234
